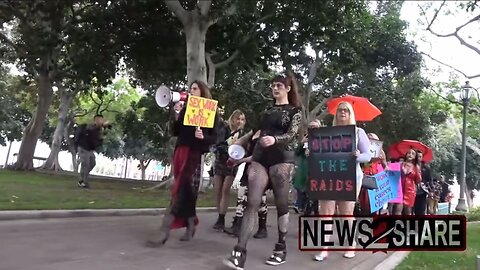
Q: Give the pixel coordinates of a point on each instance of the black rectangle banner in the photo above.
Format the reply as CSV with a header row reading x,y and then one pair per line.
x,y
331,163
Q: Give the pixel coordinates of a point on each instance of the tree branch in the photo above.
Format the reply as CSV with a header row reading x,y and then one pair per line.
x,y
80,114
244,41
113,111
211,69
204,7
108,104
177,9
93,99
456,35
317,108
446,99
231,10
435,15
447,65
10,43
312,71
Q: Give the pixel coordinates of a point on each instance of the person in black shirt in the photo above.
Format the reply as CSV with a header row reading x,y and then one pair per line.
x,y
420,207
224,174
445,190
272,165
242,198
192,143
88,139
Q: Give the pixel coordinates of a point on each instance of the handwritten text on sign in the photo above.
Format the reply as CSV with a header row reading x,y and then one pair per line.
x,y
387,182
200,112
331,164
376,148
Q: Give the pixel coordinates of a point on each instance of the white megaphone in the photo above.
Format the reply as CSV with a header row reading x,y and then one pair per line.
x,y
236,151
165,96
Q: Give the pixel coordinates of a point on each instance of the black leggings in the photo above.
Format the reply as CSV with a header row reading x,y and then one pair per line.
x,y
420,207
258,176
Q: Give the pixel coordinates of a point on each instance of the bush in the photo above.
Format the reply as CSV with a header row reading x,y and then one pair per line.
x,y
474,214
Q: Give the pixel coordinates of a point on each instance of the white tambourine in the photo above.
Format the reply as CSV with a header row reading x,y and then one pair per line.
x,y
236,151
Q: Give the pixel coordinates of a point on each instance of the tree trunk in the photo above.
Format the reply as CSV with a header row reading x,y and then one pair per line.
x,y
34,128
195,32
143,166
468,196
71,144
52,161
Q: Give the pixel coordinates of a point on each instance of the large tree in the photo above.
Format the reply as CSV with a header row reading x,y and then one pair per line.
x,y
13,117
40,33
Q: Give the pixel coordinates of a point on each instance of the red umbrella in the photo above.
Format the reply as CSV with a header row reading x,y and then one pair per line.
x,y
364,110
399,149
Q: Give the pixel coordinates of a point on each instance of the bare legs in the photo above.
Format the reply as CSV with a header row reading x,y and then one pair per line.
x,y
328,208
222,190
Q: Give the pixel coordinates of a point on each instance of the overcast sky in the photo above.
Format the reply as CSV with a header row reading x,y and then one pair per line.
x,y
448,50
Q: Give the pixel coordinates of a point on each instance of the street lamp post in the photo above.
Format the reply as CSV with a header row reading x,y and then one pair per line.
x,y
465,96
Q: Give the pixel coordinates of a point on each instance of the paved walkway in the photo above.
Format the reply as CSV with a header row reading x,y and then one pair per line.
x,y
117,243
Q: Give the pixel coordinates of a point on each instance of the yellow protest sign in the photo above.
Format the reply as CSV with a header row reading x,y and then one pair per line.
x,y
200,112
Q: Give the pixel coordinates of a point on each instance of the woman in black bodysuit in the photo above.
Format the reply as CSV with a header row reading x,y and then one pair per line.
x,y
273,162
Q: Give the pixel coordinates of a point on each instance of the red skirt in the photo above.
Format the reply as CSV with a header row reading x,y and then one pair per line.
x,y
186,173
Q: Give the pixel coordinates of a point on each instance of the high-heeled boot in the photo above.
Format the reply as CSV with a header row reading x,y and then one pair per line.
x,y
161,235
190,232
262,229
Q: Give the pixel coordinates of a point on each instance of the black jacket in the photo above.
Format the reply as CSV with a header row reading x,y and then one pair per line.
x,y
89,137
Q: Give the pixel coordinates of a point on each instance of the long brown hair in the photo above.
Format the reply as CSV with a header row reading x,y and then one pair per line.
x,y
204,90
290,81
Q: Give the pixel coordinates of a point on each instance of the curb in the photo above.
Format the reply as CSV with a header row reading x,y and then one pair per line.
x,y
392,261
44,214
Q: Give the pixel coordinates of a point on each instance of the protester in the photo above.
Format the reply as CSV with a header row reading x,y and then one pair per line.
x,y
191,143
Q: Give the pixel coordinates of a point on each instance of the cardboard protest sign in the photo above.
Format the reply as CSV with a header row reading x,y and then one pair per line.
x,y
331,163
399,197
375,148
387,182
200,112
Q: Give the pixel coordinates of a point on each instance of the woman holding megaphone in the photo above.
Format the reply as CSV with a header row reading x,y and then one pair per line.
x,y
192,142
272,165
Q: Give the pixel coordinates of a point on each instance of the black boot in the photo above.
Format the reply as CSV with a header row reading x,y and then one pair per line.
x,y
262,229
236,224
279,255
237,259
220,224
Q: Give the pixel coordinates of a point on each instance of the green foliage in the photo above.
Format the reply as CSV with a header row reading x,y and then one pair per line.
x,y
247,90
474,214
464,260
136,137
13,117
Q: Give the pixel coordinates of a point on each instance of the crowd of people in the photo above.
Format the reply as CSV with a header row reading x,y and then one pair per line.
x,y
276,159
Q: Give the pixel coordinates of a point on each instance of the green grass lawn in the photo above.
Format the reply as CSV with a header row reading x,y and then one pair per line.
x,y
465,260
40,191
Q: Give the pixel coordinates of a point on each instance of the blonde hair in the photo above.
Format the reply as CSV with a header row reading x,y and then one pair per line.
x,y
235,114
351,120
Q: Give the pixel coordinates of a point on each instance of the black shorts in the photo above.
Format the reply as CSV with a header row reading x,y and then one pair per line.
x,y
220,167
270,156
